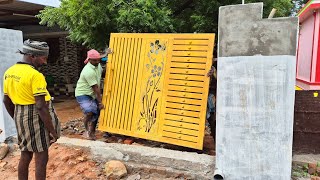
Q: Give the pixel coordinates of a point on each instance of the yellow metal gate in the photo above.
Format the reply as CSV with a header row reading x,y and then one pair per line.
x,y
156,87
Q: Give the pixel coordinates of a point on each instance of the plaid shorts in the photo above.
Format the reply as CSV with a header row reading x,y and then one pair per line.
x,y
32,134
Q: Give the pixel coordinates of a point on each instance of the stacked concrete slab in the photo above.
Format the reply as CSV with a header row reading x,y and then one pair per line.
x,y
255,94
10,42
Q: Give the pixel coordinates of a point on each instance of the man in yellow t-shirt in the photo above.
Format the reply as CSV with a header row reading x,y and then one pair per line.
x,y
28,102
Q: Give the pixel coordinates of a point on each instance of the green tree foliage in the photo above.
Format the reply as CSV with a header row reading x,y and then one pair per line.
x,y
298,4
91,21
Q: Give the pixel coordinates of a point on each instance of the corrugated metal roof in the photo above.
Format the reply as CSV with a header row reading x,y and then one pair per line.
x,y
15,13
21,6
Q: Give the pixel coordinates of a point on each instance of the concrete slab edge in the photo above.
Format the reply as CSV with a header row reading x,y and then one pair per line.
x,y
201,165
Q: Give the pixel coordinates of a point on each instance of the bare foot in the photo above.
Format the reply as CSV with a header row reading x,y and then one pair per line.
x,y
85,135
92,137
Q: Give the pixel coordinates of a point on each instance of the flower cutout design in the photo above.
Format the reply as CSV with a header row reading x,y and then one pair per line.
x,y
156,71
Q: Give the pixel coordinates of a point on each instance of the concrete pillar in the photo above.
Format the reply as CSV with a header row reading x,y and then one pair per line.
x,y
10,42
255,93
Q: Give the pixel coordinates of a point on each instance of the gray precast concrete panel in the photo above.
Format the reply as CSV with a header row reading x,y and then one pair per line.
x,y
243,32
255,94
10,42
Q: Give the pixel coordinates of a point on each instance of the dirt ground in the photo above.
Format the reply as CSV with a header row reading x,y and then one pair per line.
x,y
71,163
67,109
75,163
71,116
64,163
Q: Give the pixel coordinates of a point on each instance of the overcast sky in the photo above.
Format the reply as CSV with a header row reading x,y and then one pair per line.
x,y
53,3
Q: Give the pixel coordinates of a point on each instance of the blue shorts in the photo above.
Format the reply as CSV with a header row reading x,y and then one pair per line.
x,y
89,105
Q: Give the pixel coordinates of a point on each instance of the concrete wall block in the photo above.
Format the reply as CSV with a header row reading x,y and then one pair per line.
x,y
243,32
255,93
10,42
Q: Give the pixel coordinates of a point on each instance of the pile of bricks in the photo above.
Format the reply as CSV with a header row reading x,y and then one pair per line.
x,y
314,170
67,67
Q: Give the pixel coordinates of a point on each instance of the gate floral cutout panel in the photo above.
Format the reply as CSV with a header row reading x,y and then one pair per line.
x,y
153,71
156,87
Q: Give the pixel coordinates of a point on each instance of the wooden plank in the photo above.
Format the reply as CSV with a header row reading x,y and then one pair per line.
x,y
189,54
188,65
191,42
189,48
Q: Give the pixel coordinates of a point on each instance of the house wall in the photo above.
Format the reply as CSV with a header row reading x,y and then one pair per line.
x,y
305,49
66,68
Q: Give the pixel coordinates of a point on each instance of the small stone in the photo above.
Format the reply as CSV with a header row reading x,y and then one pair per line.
x,y
312,165
98,173
311,171
4,149
2,164
80,170
128,141
115,169
65,159
147,176
134,177
137,144
313,178
120,140
72,162
106,135
81,159
318,170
